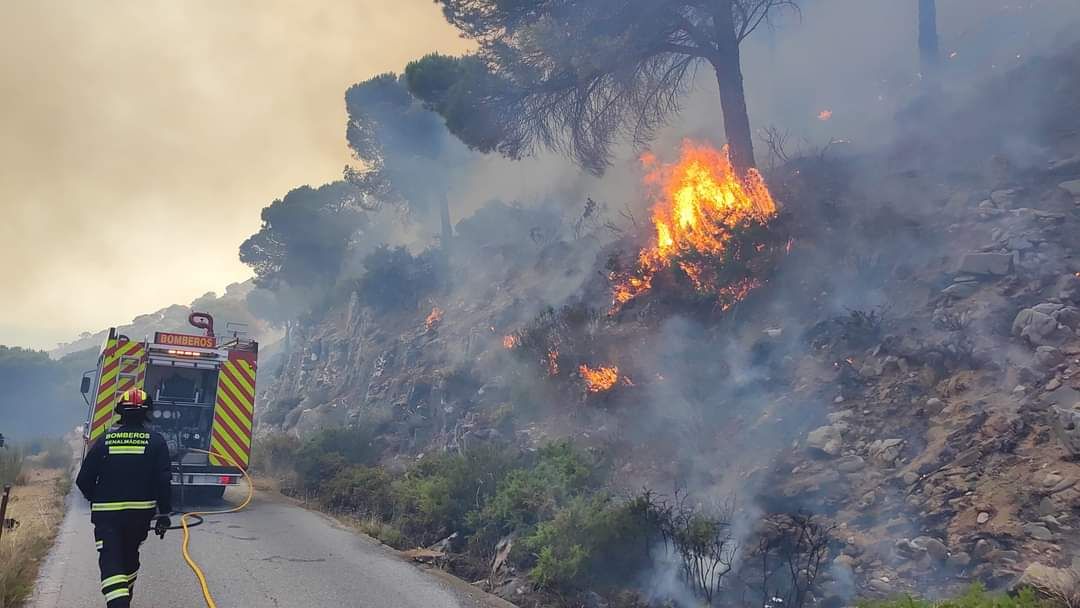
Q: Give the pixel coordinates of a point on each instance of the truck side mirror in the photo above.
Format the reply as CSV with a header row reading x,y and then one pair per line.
x,y
84,388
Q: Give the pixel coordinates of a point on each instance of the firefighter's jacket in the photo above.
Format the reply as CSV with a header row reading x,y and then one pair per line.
x,y
127,470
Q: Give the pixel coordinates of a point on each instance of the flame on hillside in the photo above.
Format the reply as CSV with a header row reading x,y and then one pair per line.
x,y
600,379
553,362
511,341
434,318
699,201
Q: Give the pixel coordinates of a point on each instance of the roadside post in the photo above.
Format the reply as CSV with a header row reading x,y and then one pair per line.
x,y
3,509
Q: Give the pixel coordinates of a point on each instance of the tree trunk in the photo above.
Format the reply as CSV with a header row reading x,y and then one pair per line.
x,y
727,64
928,37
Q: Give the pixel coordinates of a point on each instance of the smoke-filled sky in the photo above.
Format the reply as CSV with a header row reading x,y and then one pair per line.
x,y
139,140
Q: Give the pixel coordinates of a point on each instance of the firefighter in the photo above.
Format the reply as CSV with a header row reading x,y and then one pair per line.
x,y
126,477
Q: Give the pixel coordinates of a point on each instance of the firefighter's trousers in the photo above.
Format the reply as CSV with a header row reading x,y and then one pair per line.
x,y
118,536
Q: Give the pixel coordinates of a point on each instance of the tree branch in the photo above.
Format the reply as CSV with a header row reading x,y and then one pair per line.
x,y
684,50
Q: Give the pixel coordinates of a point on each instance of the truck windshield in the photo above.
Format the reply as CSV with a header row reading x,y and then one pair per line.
x,y
181,385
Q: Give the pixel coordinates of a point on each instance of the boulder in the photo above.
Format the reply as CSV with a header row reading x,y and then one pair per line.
x,y
959,560
1069,289
1067,425
987,210
1038,532
1048,308
870,368
933,547
982,549
825,439
894,365
1047,506
850,464
1048,356
1003,198
1072,187
1019,243
985,263
881,586
960,290
1068,316
886,451
907,548
1040,329
841,415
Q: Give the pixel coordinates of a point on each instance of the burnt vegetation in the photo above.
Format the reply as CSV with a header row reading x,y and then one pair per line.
x,y
395,279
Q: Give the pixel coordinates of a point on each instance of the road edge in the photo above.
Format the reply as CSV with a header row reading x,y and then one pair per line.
x,y
479,597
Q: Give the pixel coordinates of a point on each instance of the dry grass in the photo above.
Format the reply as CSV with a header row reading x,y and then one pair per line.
x,y
12,460
1060,586
38,507
380,531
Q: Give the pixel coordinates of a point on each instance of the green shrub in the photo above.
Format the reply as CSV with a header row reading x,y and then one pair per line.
x,y
975,597
327,452
359,490
592,540
274,455
529,495
436,497
314,469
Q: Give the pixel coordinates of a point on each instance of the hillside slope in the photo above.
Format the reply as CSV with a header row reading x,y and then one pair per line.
x,y
907,370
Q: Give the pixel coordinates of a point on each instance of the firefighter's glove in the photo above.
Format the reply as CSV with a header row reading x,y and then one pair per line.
x,y
162,524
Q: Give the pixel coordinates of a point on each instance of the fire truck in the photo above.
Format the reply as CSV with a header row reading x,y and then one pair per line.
x,y
203,387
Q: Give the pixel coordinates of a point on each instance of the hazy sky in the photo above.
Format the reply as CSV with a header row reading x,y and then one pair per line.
x,y
140,139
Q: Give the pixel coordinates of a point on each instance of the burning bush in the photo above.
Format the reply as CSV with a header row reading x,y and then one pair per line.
x,y
434,318
600,379
711,231
569,332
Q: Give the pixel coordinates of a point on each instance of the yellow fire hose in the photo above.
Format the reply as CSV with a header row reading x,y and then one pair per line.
x,y
199,514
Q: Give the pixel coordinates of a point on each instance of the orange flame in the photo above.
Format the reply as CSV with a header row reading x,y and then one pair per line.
x,y
824,115
700,200
599,379
434,318
511,341
553,362
736,292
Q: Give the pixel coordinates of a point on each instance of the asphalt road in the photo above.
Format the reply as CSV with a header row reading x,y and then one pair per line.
x,y
272,554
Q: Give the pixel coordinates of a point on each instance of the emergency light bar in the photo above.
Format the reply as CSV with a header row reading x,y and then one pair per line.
x,y
184,353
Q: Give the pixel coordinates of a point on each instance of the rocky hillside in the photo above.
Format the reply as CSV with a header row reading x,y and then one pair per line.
x,y
909,370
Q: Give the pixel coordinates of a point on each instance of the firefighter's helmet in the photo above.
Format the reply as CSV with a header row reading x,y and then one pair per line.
x,y
134,400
